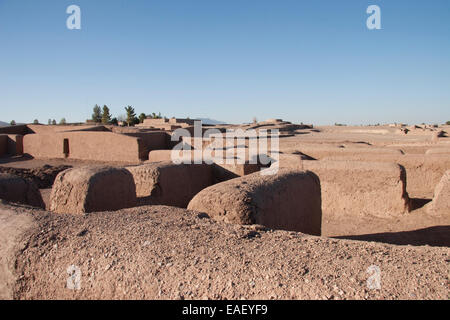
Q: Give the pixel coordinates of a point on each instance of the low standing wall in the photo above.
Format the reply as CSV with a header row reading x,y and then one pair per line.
x,y
423,172
156,140
361,188
165,183
11,144
320,152
15,144
3,144
441,199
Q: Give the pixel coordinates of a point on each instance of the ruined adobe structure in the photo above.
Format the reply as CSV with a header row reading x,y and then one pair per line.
x,y
357,178
249,218
97,143
166,124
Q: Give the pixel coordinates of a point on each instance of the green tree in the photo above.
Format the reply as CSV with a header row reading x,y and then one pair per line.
x,y
106,116
36,121
97,115
448,123
53,122
49,121
131,115
156,116
13,123
114,121
62,121
142,117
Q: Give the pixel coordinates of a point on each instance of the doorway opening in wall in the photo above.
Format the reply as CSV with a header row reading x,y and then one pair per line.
x,y
66,148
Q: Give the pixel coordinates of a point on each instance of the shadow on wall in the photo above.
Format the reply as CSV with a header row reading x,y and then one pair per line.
x,y
438,236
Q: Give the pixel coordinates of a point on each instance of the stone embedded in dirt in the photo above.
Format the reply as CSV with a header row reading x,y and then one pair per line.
x,y
441,200
361,188
170,184
91,189
288,200
16,189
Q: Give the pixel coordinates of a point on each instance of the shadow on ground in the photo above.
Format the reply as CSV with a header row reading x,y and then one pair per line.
x,y
9,159
438,236
417,203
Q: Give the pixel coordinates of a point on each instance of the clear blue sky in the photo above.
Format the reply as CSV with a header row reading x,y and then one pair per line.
x,y
303,61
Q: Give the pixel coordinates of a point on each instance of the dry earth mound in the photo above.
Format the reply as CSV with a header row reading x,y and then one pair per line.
x,y
89,189
288,200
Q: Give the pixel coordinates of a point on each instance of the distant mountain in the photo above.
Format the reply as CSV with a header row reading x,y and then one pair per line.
x,y
3,124
210,121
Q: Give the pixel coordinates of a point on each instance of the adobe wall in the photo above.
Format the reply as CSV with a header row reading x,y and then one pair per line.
x,y
3,144
17,129
98,146
223,172
134,129
165,183
441,150
290,161
151,140
319,152
41,128
441,199
289,200
15,144
11,144
423,172
361,188
151,122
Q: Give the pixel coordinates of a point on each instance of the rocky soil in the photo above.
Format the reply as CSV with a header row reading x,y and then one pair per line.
x,y
158,252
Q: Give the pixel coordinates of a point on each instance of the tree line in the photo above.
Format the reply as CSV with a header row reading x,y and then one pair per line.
x,y
103,115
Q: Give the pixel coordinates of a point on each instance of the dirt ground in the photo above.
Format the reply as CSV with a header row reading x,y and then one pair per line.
x,y
159,252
